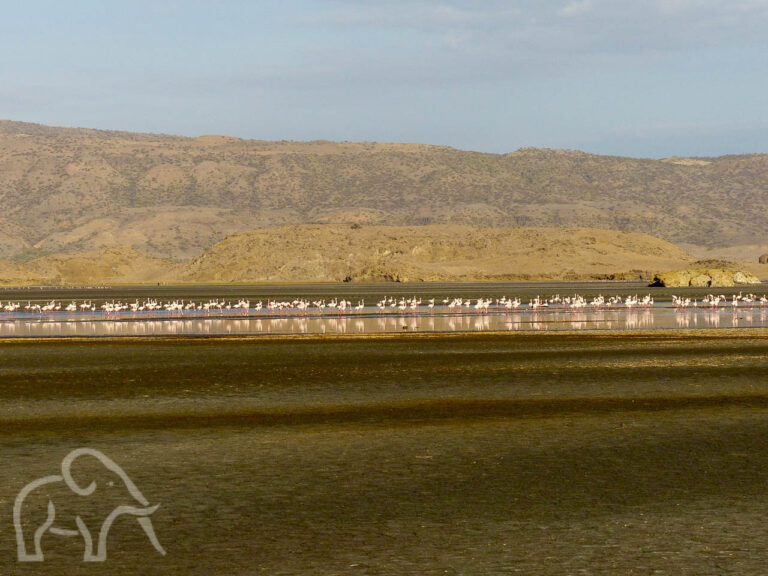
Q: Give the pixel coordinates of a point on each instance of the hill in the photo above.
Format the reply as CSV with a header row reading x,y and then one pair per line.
x,y
77,190
430,253
335,253
100,267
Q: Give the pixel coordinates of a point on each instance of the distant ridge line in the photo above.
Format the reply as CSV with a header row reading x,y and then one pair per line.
x,y
74,190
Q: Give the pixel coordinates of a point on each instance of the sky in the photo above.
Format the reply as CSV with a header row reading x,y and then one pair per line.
x,y
642,78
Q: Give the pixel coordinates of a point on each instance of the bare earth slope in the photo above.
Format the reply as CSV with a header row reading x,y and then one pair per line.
x,y
75,190
333,253
100,267
430,253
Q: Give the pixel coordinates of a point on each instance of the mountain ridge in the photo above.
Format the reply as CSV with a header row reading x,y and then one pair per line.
x,y
78,190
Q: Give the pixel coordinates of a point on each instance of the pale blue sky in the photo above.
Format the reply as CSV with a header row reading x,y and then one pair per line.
x,y
648,78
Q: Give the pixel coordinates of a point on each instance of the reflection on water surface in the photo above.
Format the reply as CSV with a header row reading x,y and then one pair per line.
x,y
657,317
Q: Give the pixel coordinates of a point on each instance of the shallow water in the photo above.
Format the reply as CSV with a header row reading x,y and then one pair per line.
x,y
467,454
369,322
371,293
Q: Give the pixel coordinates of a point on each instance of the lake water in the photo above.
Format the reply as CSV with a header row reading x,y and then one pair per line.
x,y
354,292
658,317
369,320
460,454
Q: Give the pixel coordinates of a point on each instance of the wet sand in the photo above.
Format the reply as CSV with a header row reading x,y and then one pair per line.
x,y
551,453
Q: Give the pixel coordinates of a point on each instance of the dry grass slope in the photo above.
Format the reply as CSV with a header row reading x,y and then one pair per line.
x,y
77,190
431,253
334,253
102,267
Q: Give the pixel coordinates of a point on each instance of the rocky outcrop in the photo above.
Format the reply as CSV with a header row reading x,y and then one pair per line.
x,y
763,259
745,278
703,278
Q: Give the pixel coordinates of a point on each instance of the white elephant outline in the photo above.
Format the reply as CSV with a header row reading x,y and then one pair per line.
x,y
142,513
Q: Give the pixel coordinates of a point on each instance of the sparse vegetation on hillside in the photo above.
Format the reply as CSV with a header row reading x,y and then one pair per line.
x,y
69,190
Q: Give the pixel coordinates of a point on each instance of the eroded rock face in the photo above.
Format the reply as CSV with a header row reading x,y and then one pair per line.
x,y
745,278
700,281
703,278
724,278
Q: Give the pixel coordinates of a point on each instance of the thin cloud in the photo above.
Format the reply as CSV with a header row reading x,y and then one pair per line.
x,y
592,25
576,8
420,15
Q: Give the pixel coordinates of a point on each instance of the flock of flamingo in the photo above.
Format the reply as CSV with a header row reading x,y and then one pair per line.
x,y
155,308
712,301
